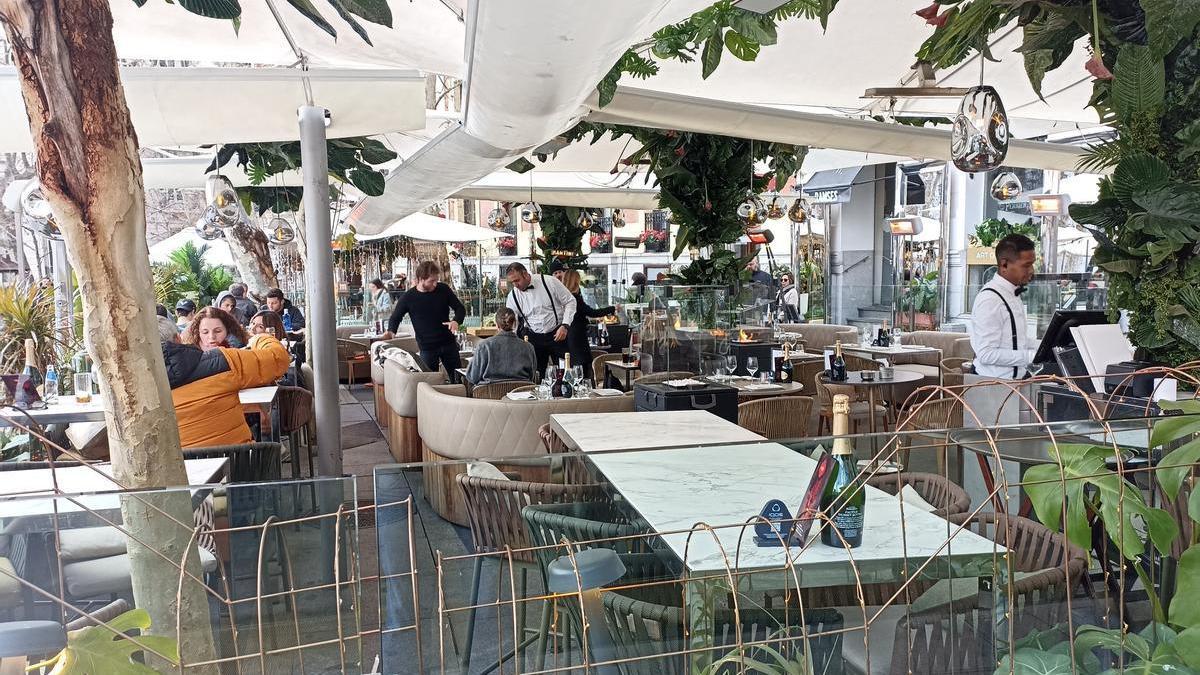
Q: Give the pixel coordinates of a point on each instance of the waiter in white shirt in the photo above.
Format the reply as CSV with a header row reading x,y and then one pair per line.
x,y
999,334
544,309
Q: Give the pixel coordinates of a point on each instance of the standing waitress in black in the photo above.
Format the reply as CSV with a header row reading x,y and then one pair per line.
x,y
577,340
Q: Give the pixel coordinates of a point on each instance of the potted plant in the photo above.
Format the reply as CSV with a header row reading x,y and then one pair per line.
x,y
601,242
920,297
655,241
507,246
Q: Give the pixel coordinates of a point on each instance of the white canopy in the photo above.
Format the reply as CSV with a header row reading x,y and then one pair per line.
x,y
559,188
432,228
217,252
196,106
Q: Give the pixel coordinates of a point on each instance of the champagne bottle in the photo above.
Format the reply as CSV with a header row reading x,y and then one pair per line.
x,y
837,367
884,338
783,368
845,499
561,388
31,378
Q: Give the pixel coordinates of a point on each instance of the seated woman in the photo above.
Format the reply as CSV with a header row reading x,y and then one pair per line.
x,y
212,328
205,386
504,356
267,322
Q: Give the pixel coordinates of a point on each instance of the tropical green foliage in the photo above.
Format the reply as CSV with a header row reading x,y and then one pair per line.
x,y
992,230
351,161
561,234
106,649
1146,63
187,275
921,294
707,35
375,11
1079,490
27,312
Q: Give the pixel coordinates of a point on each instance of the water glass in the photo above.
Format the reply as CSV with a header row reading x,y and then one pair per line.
x,y
83,387
576,374
551,374
542,391
897,334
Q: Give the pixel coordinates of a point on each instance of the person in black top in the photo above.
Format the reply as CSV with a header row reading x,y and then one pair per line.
x,y
430,302
577,339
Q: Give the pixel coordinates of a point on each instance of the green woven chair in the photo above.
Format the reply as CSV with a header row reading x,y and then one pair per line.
x,y
648,635
591,525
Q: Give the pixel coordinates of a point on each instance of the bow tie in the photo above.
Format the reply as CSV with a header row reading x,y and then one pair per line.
x,y
1019,290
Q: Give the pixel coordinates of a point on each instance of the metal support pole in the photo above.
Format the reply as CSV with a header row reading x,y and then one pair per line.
x,y
64,296
322,322
20,242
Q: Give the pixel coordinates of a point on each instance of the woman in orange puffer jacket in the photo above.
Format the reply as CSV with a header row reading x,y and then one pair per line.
x,y
205,386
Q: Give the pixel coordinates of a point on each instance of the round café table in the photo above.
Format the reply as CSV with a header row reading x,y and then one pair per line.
x,y
872,387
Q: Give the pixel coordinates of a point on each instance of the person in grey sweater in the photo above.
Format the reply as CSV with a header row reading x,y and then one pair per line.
x,y
504,356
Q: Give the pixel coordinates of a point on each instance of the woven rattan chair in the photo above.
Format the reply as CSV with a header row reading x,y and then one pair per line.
x,y
1047,569
856,363
553,527
352,354
947,498
598,368
295,417
663,377
650,636
934,415
495,390
777,417
494,513
858,409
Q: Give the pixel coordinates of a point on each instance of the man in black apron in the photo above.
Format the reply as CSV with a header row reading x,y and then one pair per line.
x,y
544,310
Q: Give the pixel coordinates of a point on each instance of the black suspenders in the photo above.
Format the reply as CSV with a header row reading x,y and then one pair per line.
x,y
554,309
1012,322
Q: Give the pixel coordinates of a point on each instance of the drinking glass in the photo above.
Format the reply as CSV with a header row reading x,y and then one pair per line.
x,y
542,391
577,374
865,337
83,387
551,373
897,334
722,347
752,365
1035,369
730,364
583,388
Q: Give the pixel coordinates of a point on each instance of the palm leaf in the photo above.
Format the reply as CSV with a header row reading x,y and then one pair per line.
x,y
1139,82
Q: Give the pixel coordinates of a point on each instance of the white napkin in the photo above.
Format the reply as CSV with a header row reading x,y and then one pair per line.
x,y
520,395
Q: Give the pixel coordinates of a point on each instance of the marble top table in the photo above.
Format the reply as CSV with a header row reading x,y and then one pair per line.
x,y
30,492
675,489
606,432
902,350
66,410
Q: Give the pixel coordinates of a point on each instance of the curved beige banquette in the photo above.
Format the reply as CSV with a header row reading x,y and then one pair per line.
x,y
818,336
400,398
454,427
406,342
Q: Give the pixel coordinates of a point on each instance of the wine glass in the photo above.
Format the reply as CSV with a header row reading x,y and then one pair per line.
x,y
576,375
752,365
1035,369
551,373
730,365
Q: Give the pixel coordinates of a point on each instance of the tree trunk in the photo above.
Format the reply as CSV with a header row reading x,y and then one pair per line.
x,y
252,255
91,174
301,237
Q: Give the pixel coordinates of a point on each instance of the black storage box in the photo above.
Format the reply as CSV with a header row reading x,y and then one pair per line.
x,y
1119,379
718,399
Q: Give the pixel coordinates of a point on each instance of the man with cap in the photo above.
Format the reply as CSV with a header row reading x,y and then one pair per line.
x,y
184,309
558,269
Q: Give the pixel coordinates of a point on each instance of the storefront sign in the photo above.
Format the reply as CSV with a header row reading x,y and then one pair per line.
x,y
837,196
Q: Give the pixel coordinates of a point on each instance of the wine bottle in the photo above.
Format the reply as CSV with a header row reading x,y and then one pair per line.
x,y
30,378
783,367
845,499
884,337
561,388
837,367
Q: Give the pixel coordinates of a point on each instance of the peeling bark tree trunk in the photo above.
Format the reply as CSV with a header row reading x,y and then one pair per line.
x,y
91,174
252,255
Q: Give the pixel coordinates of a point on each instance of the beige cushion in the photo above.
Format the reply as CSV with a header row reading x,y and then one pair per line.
x,y
910,497
471,428
10,588
485,470
90,439
951,344
345,331
110,576
400,387
86,543
934,372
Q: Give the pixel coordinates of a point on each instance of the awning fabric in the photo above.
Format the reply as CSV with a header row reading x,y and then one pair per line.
x,y
197,106
583,189
642,107
834,186
217,252
432,228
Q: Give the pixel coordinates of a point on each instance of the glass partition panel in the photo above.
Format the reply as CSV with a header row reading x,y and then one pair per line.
x,y
267,573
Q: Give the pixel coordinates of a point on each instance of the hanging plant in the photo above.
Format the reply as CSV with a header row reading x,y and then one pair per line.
x,y
561,238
